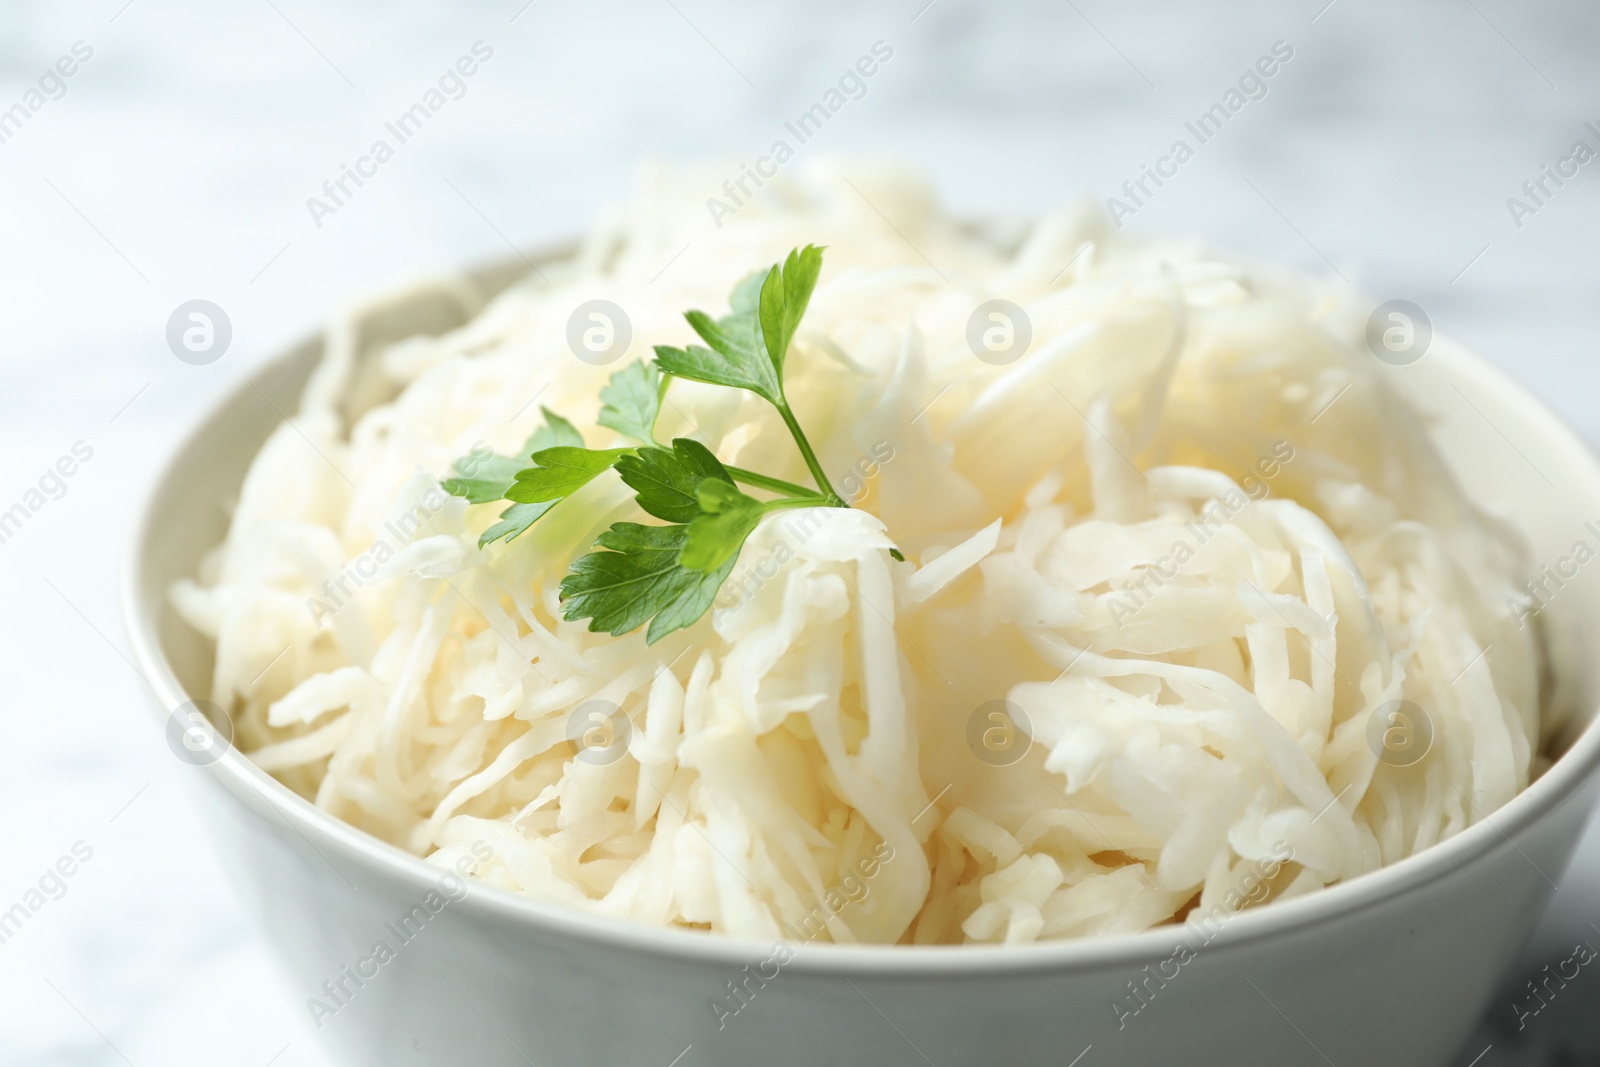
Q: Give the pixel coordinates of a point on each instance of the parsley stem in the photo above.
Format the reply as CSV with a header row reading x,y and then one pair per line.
x,y
775,485
810,500
833,498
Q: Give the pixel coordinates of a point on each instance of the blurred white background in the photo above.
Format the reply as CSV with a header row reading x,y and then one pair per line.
x,y
177,162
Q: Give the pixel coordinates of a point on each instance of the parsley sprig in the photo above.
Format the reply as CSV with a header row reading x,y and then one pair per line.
x,y
666,576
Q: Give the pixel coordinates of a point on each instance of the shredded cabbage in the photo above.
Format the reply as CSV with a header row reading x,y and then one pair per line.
x,y
1186,549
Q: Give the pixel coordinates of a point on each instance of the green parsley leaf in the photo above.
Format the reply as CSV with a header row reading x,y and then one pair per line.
x,y
555,432
485,479
754,339
557,436
638,578
742,324
736,339
746,296
717,534
561,471
667,482
632,400
515,520
488,481
729,336
699,364
785,295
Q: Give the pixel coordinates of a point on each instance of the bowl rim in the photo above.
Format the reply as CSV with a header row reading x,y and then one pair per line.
x,y
266,797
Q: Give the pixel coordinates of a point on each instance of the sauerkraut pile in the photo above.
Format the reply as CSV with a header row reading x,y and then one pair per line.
x,y
1191,616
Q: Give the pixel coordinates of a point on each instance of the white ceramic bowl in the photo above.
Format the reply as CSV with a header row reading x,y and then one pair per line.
x,y
1391,968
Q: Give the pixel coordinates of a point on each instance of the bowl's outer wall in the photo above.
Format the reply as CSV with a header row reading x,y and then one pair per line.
x,y
1400,981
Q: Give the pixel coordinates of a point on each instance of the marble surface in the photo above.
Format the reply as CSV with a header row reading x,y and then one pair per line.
x,y
176,162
